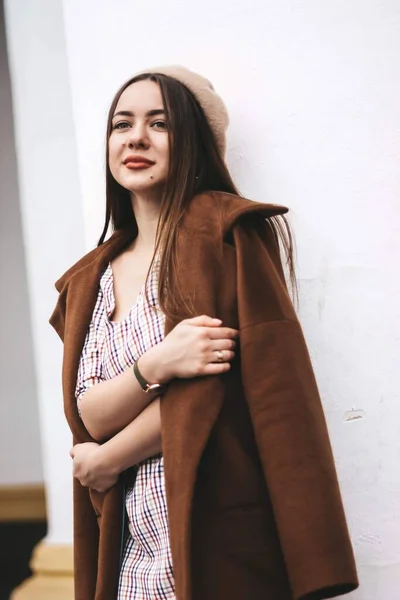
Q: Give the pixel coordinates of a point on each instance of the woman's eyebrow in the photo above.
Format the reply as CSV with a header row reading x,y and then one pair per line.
x,y
150,113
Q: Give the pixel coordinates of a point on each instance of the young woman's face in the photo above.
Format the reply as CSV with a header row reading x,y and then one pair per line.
x,y
138,144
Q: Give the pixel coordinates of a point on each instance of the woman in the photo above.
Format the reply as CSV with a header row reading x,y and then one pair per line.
x,y
233,492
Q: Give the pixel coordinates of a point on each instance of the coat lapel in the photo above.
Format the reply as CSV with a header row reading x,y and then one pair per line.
x,y
82,295
190,408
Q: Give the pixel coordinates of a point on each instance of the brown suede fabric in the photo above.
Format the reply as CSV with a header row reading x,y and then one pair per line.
x,y
253,499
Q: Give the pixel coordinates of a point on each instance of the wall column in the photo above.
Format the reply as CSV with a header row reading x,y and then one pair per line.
x,y
53,233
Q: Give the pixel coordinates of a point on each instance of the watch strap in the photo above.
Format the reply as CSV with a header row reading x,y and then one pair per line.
x,y
147,387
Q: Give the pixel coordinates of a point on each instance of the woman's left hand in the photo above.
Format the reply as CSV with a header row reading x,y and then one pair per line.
x,y
90,468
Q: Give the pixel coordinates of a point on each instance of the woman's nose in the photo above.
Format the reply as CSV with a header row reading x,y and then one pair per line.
x,y
137,136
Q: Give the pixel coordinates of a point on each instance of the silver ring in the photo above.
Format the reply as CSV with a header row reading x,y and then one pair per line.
x,y
220,355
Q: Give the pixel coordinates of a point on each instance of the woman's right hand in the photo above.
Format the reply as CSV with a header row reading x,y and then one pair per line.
x,y
193,348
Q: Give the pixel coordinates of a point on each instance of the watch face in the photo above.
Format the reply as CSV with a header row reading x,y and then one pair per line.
x,y
156,387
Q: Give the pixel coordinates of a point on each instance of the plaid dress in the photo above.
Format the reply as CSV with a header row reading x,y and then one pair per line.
x,y
110,348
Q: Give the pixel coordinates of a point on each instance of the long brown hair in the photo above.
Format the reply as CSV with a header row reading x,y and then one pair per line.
x,y
195,166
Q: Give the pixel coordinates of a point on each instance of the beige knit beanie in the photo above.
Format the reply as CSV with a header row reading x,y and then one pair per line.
x,y
203,90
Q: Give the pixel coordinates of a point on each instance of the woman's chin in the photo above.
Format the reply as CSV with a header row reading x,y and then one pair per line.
x,y
141,184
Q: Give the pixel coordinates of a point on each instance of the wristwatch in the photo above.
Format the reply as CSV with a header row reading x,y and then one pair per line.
x,y
147,387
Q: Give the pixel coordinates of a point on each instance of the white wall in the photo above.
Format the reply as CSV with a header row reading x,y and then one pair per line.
x,y
52,218
20,460
313,90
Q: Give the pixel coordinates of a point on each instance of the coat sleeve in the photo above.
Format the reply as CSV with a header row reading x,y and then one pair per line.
x,y
289,423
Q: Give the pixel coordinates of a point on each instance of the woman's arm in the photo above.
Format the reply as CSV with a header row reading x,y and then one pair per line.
x,y
99,466
109,406
136,442
190,350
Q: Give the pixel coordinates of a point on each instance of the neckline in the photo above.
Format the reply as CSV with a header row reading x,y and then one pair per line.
x,y
109,299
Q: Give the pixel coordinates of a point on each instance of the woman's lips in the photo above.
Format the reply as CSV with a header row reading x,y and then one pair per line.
x,y
138,165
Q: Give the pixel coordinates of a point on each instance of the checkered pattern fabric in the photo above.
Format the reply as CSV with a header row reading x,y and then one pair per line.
x,y
110,348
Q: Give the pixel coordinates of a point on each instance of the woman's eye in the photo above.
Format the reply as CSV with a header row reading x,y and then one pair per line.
x,y
159,124
121,125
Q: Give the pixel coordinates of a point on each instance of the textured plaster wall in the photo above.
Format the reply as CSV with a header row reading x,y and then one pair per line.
x,y
52,219
20,460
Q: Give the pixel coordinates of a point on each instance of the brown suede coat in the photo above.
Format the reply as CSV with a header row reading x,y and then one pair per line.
x,y
253,500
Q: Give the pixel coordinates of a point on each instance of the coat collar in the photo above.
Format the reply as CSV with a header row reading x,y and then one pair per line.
x,y
220,207
189,408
